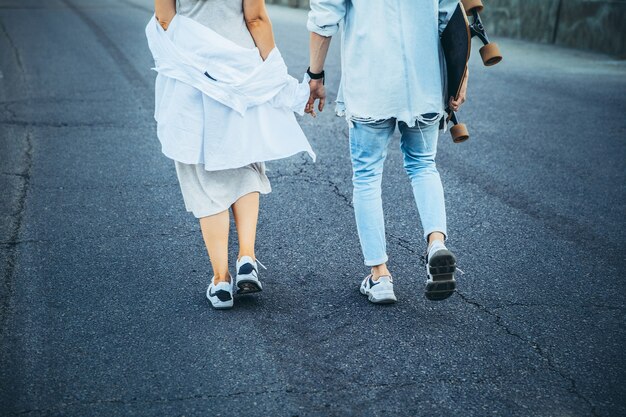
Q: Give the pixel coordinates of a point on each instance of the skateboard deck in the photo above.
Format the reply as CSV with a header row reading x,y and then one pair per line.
x,y
456,41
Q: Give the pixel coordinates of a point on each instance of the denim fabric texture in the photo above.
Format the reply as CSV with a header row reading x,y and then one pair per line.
x,y
368,149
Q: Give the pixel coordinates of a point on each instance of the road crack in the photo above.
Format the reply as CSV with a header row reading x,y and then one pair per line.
x,y
536,347
24,181
16,52
18,216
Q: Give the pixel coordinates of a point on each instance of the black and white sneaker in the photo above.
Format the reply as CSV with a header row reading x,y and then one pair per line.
x,y
248,276
220,295
440,267
379,291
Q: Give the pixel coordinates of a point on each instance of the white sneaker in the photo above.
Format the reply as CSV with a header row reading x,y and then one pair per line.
x,y
440,267
379,291
247,276
221,295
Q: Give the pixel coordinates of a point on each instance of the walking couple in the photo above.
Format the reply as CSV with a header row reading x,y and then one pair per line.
x,y
225,104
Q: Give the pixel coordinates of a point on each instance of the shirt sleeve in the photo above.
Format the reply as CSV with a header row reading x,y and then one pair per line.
x,y
446,10
325,16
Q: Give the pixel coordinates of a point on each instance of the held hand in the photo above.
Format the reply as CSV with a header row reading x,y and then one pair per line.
x,y
455,105
317,92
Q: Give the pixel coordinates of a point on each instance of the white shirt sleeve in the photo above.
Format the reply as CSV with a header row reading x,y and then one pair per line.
x,y
446,10
325,16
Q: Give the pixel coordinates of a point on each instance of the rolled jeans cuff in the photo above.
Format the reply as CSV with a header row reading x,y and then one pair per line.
x,y
376,262
435,230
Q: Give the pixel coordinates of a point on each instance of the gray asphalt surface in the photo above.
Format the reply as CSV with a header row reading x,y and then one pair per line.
x,y
103,273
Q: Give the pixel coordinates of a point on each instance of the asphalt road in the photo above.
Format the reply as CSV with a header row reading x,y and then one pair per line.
x,y
103,273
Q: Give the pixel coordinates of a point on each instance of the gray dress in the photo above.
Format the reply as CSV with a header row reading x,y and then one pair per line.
x,y
210,192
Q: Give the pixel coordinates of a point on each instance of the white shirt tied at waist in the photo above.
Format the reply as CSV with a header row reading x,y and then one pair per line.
x,y
220,104
231,74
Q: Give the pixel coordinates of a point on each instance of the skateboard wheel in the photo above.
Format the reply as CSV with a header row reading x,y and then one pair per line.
x,y
490,54
459,133
473,5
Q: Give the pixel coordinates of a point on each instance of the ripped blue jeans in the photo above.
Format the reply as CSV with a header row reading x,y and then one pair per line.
x,y
368,150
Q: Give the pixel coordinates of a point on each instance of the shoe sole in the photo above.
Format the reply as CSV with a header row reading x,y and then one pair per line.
x,y
248,286
221,306
387,299
441,269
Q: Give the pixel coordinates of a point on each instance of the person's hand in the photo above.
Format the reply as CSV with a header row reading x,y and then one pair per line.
x,y
455,105
318,92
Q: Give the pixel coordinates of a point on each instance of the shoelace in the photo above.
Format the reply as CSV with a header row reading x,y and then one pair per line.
x,y
260,263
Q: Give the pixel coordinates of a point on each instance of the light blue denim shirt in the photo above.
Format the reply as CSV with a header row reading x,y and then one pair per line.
x,y
392,64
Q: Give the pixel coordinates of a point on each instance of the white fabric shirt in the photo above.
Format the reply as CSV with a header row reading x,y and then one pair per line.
x,y
219,104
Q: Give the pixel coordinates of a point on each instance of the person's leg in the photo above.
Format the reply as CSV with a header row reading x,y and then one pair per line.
x,y
368,150
246,214
215,233
419,146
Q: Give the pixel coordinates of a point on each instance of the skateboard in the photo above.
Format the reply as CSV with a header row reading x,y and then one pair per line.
x,y
456,41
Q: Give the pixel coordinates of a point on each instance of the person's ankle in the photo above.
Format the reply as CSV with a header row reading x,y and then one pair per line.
x,y
242,254
380,271
436,237
221,277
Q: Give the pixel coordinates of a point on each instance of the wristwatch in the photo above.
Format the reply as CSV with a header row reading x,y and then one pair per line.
x,y
314,76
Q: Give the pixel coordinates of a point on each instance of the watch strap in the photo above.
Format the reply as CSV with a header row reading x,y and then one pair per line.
x,y
315,76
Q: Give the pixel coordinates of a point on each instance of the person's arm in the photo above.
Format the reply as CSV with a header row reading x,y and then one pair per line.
x,y
323,23
318,50
259,25
164,11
